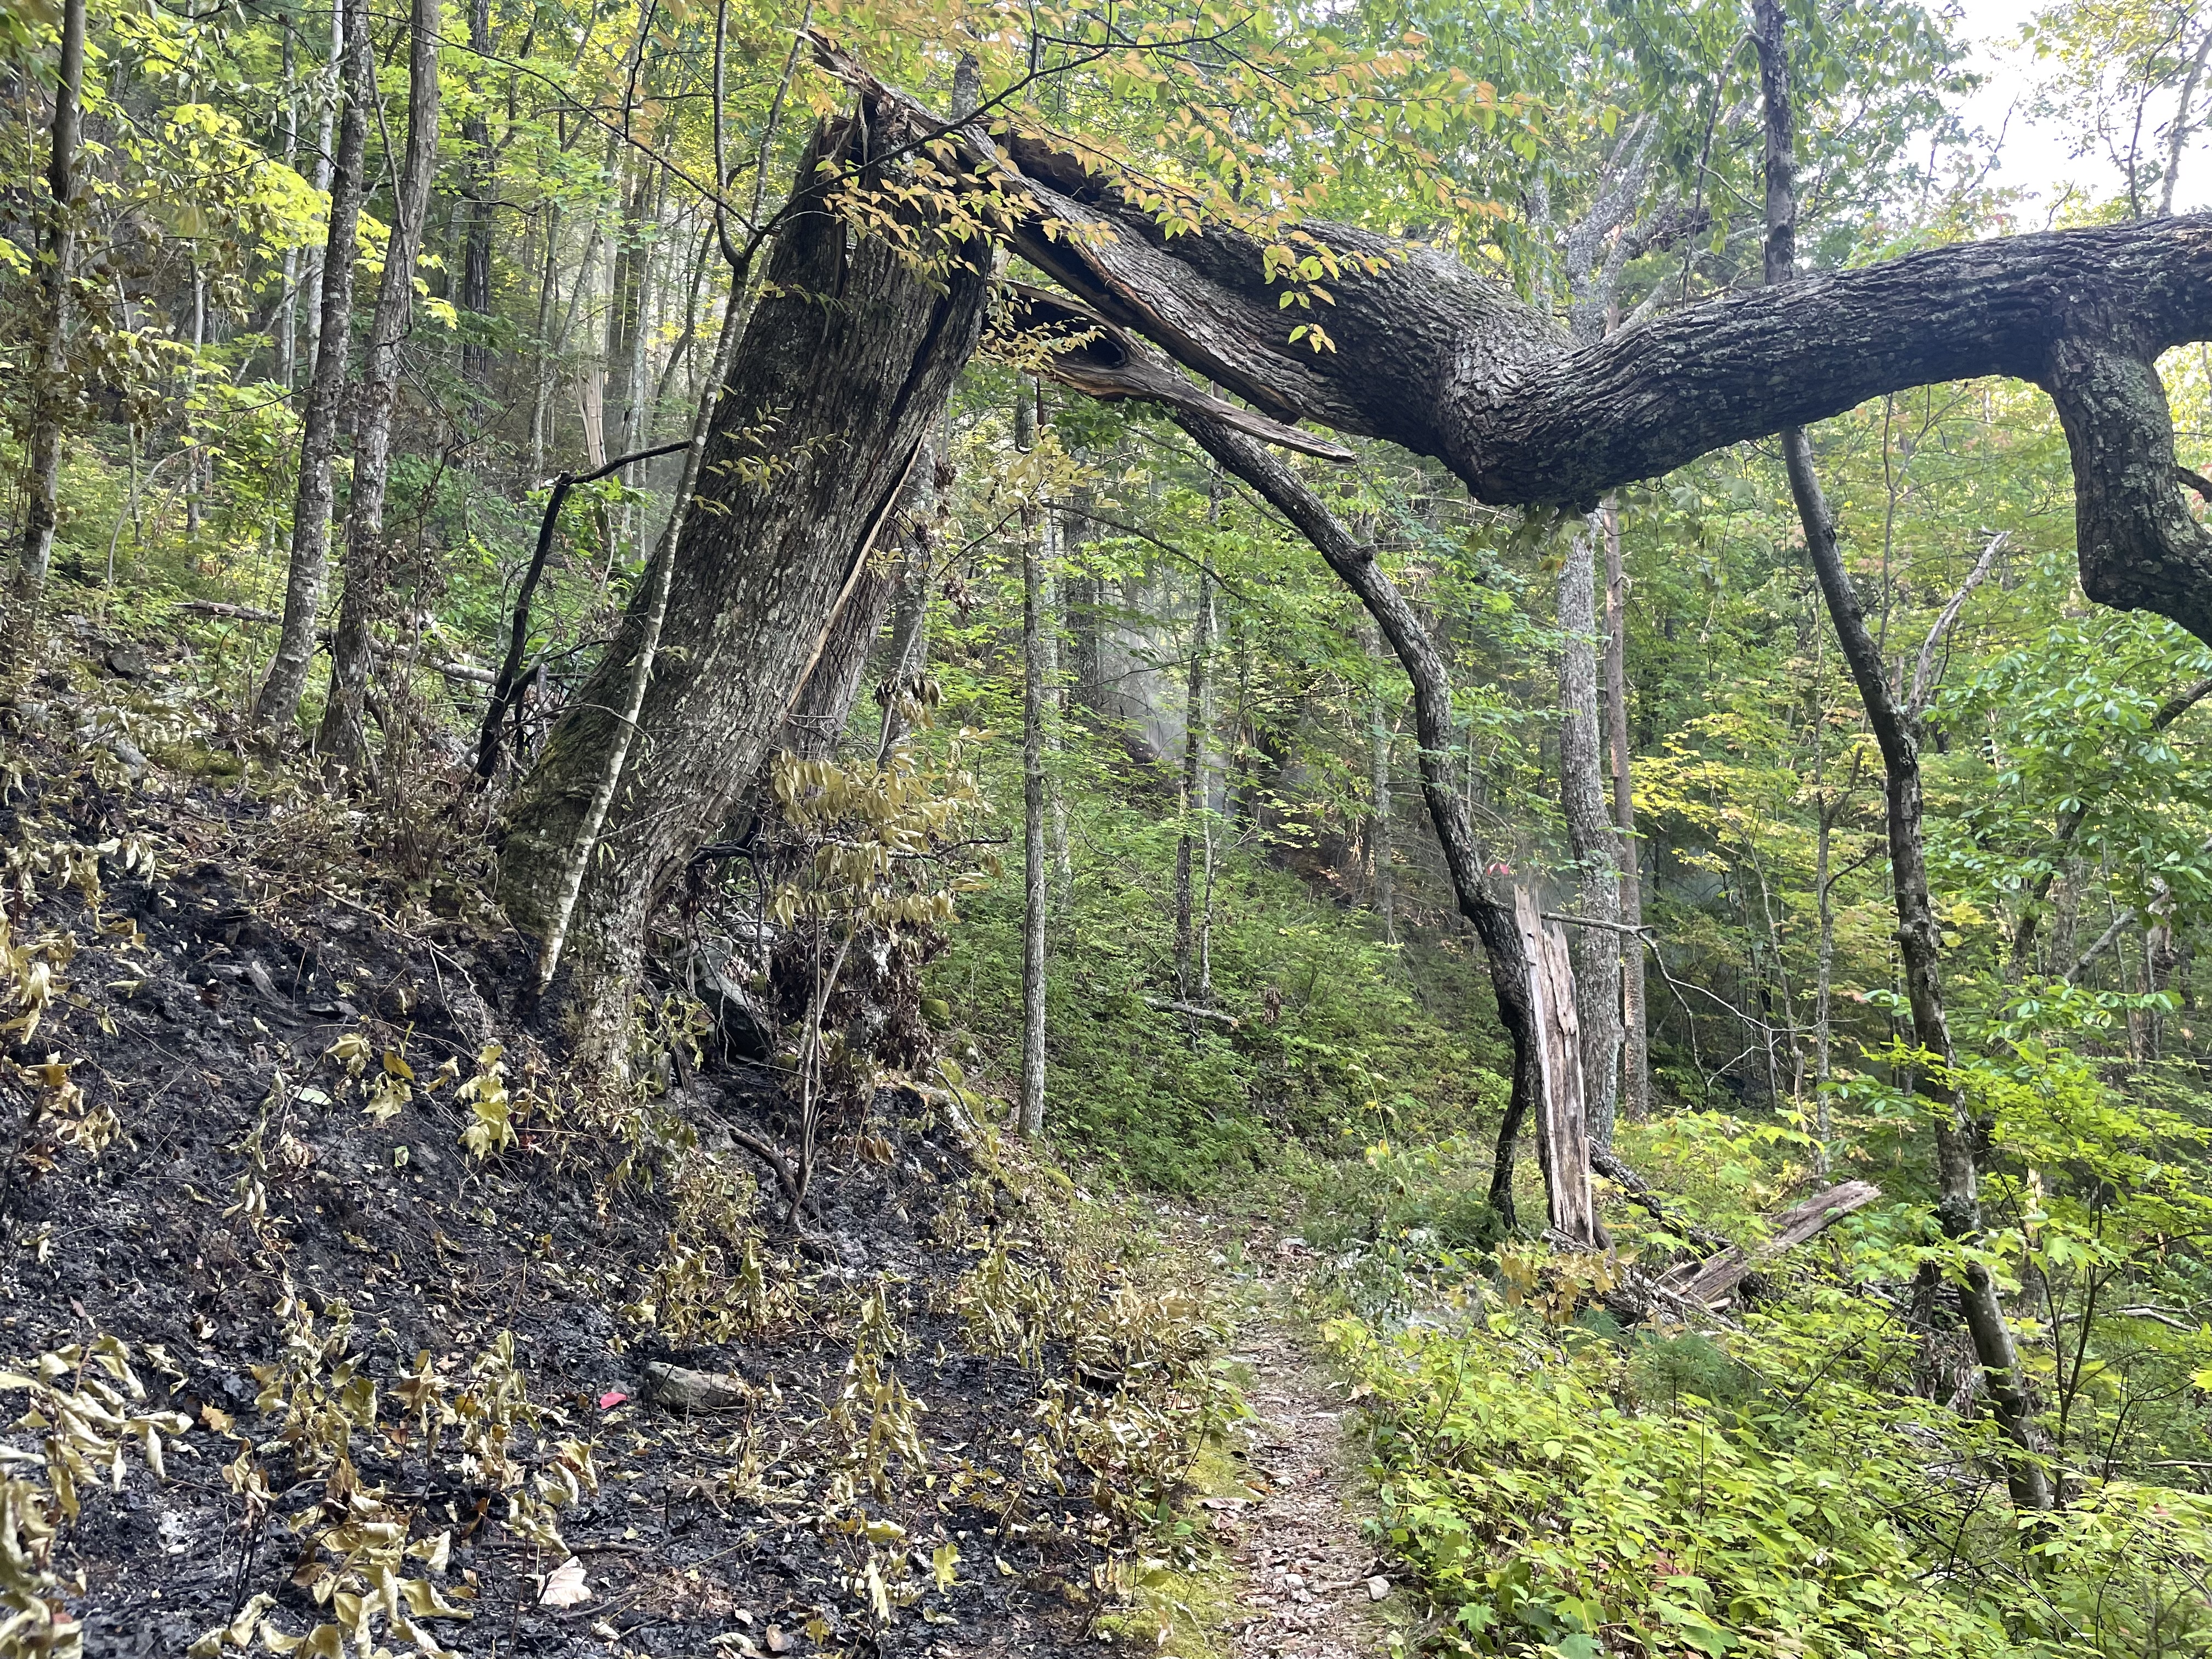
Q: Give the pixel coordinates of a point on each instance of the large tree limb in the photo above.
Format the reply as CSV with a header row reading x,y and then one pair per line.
x,y
1433,357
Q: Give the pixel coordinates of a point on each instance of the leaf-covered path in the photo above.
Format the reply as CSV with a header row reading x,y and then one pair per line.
x,y
1303,1572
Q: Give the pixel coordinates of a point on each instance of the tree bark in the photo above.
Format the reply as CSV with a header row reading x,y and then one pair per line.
x,y
823,702
50,396
1381,853
1491,913
483,185
1919,944
1453,365
331,285
907,655
1636,1050
1190,984
325,139
816,431
1035,688
342,740
1596,951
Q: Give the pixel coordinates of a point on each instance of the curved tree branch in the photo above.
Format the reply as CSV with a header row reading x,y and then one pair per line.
x,y
1417,348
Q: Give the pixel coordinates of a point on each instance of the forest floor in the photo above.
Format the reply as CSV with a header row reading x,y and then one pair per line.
x,y
1306,1580
301,1203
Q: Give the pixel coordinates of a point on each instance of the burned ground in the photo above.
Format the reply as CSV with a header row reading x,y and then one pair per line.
x,y
251,1060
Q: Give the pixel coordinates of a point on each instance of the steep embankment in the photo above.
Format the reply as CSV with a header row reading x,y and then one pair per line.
x,y
390,1334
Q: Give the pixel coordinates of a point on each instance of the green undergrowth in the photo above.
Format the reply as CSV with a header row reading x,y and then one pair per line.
x,y
1331,1046
1813,1473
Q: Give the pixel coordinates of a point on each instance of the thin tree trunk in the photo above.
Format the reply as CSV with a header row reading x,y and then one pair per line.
x,y
1591,834
540,390
1493,919
1636,1050
1193,790
483,185
195,462
1824,895
1035,688
331,283
341,741
333,93
1958,1205
50,393
2177,134
285,327
1380,851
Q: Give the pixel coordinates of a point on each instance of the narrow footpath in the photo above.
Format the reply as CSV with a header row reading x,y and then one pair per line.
x,y
1308,1584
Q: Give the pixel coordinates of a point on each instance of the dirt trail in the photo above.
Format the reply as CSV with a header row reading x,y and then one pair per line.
x,y
1302,1569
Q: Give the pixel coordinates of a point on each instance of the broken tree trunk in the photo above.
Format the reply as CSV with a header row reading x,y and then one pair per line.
x,y
815,435
1707,1282
1562,1127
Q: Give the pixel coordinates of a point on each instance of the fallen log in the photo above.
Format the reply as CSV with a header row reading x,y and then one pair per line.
x,y
1702,1283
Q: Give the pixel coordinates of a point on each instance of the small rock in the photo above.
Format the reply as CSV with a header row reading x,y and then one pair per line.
x,y
1378,1587
125,662
134,761
680,1388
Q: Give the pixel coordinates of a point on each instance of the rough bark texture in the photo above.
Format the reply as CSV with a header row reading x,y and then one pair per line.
x,y
342,740
1453,365
1563,1129
332,287
845,361
823,701
1490,912
50,396
907,656
1919,942
1636,1050
1596,951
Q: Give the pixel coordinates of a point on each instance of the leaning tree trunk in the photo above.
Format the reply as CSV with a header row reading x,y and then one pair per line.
x,y
1595,950
1452,364
819,425
1492,917
331,287
49,393
1918,941
342,740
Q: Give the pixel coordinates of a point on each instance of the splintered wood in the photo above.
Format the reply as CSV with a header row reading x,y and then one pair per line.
x,y
1562,1130
1706,1282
